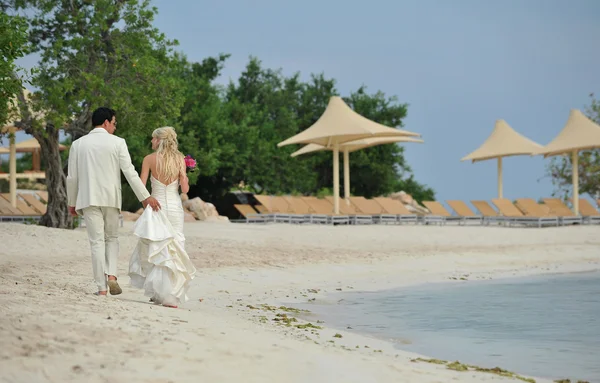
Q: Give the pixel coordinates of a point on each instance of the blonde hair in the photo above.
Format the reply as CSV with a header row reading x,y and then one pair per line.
x,y
169,159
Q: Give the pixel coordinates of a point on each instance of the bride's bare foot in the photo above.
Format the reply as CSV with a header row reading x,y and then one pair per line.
x,y
171,306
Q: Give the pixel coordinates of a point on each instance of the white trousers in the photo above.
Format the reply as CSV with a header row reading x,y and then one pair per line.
x,y
102,225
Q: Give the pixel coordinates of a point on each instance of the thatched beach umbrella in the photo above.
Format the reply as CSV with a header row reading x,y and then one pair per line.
x,y
503,142
353,146
579,133
340,124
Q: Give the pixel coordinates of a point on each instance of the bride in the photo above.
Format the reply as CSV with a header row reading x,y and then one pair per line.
x,y
159,264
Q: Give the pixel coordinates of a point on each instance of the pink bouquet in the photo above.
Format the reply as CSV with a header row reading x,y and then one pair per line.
x,y
190,163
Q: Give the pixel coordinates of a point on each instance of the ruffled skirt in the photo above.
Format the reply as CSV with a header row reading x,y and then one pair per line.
x,y
159,264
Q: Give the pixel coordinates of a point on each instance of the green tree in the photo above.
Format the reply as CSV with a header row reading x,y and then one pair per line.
x,y
13,45
100,53
233,133
560,167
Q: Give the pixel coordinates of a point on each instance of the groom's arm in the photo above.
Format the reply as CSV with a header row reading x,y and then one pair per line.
x,y
130,173
72,180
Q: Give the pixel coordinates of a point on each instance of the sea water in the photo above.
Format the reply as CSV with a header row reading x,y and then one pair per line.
x,y
545,326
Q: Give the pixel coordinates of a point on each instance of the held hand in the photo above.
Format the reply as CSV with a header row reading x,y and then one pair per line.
x,y
72,211
154,204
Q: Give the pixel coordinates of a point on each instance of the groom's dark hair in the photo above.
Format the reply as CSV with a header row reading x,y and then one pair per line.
x,y
102,114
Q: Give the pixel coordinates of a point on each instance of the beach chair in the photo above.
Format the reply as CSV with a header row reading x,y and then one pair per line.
x,y
439,214
530,208
300,207
248,212
490,215
35,203
43,196
396,208
22,212
373,209
282,206
562,211
588,212
356,216
516,216
273,208
6,209
323,207
24,208
464,212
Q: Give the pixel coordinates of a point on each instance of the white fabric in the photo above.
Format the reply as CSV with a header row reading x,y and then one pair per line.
x,y
95,164
102,224
159,263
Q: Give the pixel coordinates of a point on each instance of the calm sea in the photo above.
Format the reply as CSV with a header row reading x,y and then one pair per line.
x,y
547,326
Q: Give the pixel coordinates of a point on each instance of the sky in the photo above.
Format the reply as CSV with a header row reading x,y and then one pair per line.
x,y
460,65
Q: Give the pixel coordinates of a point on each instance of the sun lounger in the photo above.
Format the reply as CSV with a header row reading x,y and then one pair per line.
x,y
396,208
562,211
530,208
589,212
276,210
516,216
490,215
22,207
323,207
248,212
43,196
22,212
464,212
356,216
370,207
300,207
35,203
438,213
282,206
6,209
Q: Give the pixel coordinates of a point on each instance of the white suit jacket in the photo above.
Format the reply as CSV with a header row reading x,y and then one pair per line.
x,y
95,164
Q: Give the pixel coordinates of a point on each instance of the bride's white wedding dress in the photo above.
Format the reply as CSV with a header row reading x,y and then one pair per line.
x,y
159,264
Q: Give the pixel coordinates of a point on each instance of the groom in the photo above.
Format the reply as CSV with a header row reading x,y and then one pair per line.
x,y
94,190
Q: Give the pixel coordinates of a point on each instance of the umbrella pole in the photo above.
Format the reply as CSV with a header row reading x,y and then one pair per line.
x,y
336,178
347,176
575,161
12,168
500,177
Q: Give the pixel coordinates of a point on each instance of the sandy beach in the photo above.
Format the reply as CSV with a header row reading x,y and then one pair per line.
x,y
53,329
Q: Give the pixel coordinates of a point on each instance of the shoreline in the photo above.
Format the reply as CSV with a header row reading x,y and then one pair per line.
x,y
325,291
400,343
53,328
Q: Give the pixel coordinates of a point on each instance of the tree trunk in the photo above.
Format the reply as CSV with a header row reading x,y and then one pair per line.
x,y
57,215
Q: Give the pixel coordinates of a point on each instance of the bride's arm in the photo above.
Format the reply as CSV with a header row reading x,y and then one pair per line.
x,y
145,170
183,179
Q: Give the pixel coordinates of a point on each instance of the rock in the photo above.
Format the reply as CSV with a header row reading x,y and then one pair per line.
x,y
405,198
410,203
201,210
189,217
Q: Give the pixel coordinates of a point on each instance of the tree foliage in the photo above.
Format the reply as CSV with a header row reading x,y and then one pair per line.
x,y
13,45
233,131
108,53
100,53
560,168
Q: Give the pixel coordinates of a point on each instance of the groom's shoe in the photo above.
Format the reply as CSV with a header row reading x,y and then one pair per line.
x,y
114,287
